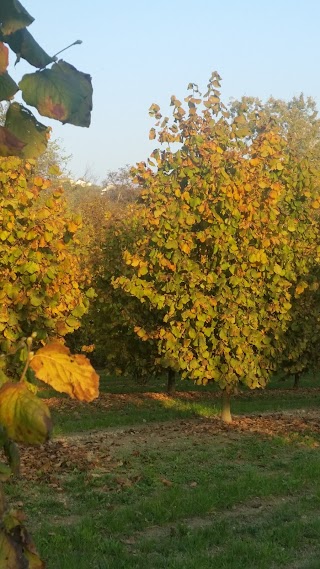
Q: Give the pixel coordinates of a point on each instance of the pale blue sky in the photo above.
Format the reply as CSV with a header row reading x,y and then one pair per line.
x,y
140,52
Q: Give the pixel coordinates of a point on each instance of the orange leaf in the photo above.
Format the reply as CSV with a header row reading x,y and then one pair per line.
x,y
66,373
4,58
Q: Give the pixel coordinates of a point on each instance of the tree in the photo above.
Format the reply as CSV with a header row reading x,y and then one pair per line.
x,y
61,92
38,284
297,120
299,123
227,237
53,163
300,351
119,187
114,327
41,280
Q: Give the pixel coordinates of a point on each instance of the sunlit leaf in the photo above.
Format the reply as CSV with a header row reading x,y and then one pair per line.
x,y
62,93
25,417
66,373
34,135
13,16
3,378
4,57
24,45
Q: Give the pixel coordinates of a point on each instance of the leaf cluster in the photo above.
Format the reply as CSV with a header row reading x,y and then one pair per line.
x,y
60,92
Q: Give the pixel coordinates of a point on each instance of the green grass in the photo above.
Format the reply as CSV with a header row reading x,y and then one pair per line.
x,y
201,402
184,493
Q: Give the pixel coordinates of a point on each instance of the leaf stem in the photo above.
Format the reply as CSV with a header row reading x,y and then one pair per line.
x,y
77,42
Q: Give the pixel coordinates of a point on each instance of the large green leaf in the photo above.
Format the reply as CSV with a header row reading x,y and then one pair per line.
x,y
8,87
33,134
13,16
25,46
10,145
62,93
25,417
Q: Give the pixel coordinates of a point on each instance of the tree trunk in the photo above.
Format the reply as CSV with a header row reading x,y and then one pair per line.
x,y
296,380
225,411
171,384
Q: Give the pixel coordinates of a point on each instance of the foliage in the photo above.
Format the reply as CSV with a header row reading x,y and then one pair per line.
x,y
114,317
297,120
60,92
41,279
300,352
299,123
25,418
53,163
109,227
118,186
227,237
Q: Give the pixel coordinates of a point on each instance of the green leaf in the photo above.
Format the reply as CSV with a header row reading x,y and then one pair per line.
x,y
3,378
72,322
25,417
35,300
22,124
62,93
78,311
90,293
25,46
13,16
8,87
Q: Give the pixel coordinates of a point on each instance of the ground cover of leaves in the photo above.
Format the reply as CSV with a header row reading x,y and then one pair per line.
x,y
95,451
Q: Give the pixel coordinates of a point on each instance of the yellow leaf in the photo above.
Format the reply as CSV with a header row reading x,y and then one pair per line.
x,y
72,226
25,417
185,247
301,287
278,270
66,373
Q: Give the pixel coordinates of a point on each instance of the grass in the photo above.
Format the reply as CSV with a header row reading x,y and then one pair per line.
x,y
183,493
131,403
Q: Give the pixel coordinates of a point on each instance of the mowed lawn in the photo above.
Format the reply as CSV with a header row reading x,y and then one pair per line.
x,y
150,481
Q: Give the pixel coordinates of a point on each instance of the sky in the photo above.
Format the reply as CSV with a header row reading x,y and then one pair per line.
x,y
140,52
